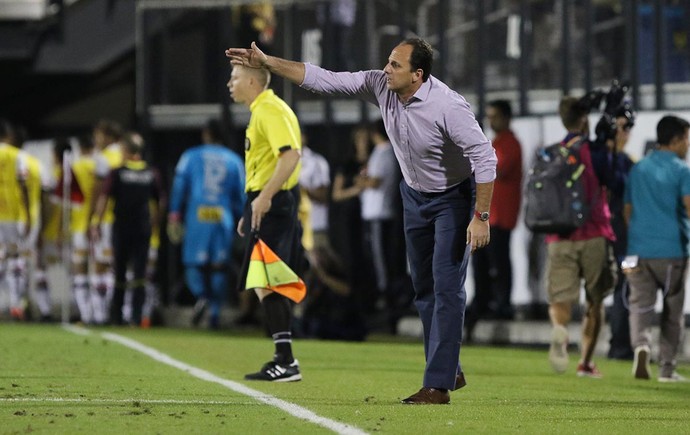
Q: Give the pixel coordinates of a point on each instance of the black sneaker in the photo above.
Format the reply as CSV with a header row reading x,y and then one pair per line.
x,y
274,372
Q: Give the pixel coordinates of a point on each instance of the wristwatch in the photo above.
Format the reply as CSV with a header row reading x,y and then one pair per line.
x,y
482,216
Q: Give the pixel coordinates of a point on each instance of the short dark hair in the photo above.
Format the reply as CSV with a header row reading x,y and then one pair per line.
x,y
85,142
571,112
61,145
214,130
502,106
133,143
7,130
110,128
422,56
670,127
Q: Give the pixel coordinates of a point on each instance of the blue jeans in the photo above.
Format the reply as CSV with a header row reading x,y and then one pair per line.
x,y
435,233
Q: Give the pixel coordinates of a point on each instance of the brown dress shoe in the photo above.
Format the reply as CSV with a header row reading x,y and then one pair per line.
x,y
459,381
428,396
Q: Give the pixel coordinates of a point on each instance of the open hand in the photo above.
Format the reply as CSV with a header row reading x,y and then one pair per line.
x,y
250,57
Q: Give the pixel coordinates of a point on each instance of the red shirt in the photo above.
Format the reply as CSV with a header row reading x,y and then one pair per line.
x,y
505,203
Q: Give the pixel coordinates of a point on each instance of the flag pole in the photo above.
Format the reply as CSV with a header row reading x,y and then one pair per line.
x,y
65,233
242,279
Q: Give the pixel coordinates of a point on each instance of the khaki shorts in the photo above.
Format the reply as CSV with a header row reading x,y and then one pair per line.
x,y
568,262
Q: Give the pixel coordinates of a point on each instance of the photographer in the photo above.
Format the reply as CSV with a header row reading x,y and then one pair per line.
x,y
613,165
581,254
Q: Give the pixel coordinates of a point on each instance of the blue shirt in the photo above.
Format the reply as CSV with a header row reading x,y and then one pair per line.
x,y
435,136
659,225
208,190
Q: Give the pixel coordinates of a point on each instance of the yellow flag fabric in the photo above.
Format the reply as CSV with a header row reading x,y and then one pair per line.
x,y
267,270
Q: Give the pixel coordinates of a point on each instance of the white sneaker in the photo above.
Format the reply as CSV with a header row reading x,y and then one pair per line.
x,y
675,377
640,367
558,351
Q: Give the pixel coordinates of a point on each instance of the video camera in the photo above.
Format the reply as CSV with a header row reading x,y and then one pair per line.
x,y
616,106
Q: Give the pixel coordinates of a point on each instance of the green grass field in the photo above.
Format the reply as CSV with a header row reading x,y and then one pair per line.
x,y
54,381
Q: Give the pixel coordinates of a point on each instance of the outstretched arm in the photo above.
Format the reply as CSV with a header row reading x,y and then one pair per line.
x,y
255,58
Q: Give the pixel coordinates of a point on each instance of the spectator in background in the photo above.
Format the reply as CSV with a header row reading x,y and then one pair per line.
x,y
583,254
152,299
493,271
329,310
106,138
379,182
131,186
14,202
315,184
613,165
206,201
256,21
90,302
657,206
50,239
336,18
346,216
39,184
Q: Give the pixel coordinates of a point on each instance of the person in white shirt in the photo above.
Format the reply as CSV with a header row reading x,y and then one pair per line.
x,y
379,181
315,183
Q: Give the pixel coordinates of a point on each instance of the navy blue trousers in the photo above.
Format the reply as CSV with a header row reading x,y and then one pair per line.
x,y
436,234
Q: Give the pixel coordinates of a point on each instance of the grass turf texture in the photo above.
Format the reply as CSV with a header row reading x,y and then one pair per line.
x,y
108,388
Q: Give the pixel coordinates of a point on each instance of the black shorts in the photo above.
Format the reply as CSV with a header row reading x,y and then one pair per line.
x,y
280,229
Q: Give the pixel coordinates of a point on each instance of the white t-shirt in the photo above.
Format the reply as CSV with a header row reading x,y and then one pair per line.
x,y
315,173
378,203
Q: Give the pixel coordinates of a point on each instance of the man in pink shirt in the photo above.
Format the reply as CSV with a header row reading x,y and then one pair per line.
x,y
446,161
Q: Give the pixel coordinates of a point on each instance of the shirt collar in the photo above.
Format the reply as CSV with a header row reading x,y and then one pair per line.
x,y
424,90
665,153
135,164
571,136
259,98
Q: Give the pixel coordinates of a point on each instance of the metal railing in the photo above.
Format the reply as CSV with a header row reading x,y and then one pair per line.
x,y
530,52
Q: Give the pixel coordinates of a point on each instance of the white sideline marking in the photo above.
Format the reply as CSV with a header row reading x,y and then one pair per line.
x,y
290,408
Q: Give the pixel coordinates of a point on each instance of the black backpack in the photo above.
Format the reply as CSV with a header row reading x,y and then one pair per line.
x,y
555,200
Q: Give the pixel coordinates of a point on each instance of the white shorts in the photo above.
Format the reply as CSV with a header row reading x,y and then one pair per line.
x,y
103,248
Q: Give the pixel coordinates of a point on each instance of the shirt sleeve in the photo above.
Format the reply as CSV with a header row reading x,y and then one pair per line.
x,y
685,180
278,130
324,173
109,183
48,182
180,182
238,195
627,193
102,166
462,128
22,167
591,180
362,84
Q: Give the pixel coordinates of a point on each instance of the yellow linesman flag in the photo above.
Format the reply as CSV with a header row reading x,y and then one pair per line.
x,y
267,270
